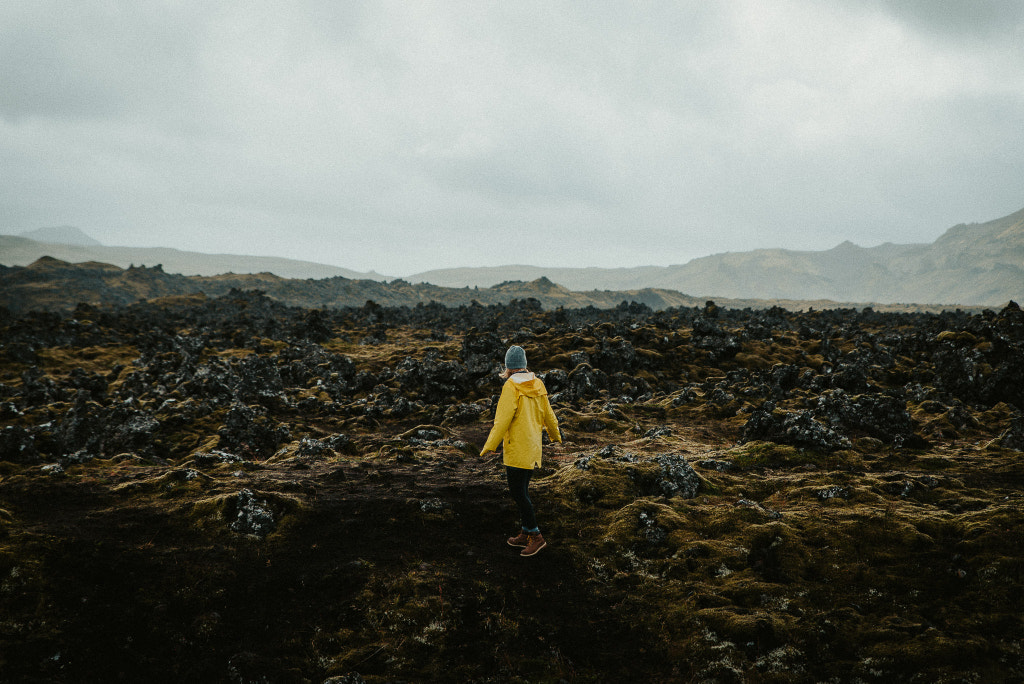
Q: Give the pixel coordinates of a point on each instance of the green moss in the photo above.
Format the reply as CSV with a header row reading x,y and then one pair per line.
x,y
771,455
645,520
602,484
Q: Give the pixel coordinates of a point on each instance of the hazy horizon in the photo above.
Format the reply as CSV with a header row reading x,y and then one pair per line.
x,y
19,233
403,138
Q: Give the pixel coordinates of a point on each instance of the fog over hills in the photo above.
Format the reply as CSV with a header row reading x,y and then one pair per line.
x,y
968,264
72,245
61,235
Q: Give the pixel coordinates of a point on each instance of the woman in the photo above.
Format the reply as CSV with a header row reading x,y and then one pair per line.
x,y
523,411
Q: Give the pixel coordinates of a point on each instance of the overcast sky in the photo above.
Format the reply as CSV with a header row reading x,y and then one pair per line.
x,y
405,136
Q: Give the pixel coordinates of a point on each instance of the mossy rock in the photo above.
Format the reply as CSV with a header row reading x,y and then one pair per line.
x,y
649,527
961,336
765,630
601,484
219,514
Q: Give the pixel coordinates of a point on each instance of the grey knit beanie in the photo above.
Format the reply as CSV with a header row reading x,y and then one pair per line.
x,y
515,357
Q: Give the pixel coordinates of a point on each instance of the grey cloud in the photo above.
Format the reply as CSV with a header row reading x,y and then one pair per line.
x,y
972,19
350,132
69,60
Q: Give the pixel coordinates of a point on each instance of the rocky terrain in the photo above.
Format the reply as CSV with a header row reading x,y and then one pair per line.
x,y
229,489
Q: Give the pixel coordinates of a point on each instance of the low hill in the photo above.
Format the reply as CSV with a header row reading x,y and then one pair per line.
x,y
22,251
976,264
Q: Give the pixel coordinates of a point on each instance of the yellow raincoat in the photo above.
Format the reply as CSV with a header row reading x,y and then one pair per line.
x,y
523,410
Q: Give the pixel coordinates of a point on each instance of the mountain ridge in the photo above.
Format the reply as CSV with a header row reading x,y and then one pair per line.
x,y
976,264
969,264
50,284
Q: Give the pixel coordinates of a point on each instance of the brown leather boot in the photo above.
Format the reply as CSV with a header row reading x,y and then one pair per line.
x,y
535,543
521,539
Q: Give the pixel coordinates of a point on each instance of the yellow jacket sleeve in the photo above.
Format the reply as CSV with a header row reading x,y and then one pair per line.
x,y
550,422
502,418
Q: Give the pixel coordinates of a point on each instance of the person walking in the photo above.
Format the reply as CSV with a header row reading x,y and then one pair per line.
x,y
523,411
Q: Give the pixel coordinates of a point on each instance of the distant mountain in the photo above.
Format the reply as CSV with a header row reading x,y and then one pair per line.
x,y
969,265
976,264
54,285
61,235
22,251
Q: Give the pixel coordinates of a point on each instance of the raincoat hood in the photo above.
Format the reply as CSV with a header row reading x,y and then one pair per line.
x,y
529,386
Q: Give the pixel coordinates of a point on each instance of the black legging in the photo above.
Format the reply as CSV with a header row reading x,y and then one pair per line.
x,y
518,484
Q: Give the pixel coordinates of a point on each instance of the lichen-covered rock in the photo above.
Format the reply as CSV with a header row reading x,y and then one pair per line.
x,y
555,380
37,388
252,516
882,416
53,469
338,442
797,428
649,531
312,448
833,492
676,476
130,431
584,382
258,378
463,413
487,344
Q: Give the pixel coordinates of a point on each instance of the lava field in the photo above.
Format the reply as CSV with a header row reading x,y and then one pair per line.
x,y
232,490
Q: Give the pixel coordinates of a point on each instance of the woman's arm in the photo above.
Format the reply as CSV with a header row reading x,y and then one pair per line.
x,y
550,422
502,418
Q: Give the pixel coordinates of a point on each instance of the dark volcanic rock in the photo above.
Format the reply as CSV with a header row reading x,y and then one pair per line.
x,y
797,428
678,478
584,383
250,432
882,416
259,380
92,428
615,356
18,445
252,516
432,379
672,477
